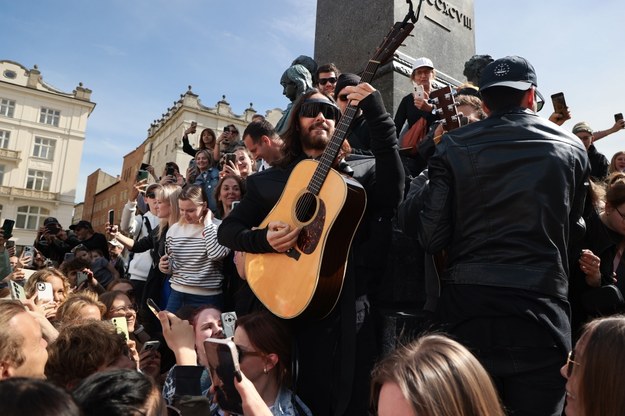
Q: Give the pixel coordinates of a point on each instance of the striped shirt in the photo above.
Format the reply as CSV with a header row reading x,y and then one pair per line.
x,y
196,257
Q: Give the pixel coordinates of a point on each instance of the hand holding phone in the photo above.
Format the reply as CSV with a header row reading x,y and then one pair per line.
x,y
150,346
111,216
619,118
223,366
419,91
559,105
121,324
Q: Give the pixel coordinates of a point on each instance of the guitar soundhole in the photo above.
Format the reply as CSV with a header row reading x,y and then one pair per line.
x,y
305,207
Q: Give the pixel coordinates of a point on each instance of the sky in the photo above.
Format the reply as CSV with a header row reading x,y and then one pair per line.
x,y
138,57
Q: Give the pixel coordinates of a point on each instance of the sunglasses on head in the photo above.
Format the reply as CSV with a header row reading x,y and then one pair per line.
x,y
324,81
150,195
312,107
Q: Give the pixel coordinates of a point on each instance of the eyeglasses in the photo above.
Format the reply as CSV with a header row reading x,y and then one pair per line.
x,y
243,353
570,363
620,213
126,309
343,97
324,81
312,107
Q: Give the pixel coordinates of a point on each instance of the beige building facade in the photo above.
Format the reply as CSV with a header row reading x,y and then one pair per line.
x,y
163,144
42,132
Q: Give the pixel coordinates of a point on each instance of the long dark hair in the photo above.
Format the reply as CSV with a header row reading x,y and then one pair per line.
x,y
291,142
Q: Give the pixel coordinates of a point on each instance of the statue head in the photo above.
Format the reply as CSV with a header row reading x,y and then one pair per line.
x,y
473,67
295,81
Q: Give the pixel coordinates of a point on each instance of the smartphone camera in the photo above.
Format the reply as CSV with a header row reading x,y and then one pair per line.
x,y
41,286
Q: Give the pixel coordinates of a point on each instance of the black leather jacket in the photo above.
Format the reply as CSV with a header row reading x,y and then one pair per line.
x,y
502,197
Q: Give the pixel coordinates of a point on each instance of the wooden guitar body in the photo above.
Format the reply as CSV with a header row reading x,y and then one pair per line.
x,y
308,279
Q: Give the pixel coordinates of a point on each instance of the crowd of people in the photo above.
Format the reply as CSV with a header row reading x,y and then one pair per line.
x,y
520,225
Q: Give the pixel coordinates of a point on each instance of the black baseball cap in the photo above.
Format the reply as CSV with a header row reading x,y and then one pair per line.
x,y
81,224
50,220
512,72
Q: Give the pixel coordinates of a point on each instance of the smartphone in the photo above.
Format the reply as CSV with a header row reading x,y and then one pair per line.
x,y
44,292
227,129
142,175
153,307
419,91
68,257
235,203
7,228
618,117
223,363
144,166
150,346
559,104
10,244
121,324
81,277
29,251
228,321
170,171
111,216
17,291
231,157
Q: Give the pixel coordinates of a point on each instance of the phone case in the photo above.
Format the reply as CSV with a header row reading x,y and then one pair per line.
x,y
153,307
44,292
223,362
150,346
17,291
81,277
122,326
228,321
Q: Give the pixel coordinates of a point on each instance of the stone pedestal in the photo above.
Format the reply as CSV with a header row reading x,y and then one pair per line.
x,y
349,31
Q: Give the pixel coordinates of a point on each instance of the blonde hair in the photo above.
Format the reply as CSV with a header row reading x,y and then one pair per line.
x,y
196,195
438,377
70,310
612,167
42,276
170,193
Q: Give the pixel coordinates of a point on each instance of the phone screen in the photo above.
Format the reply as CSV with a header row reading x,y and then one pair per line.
x,y
7,228
81,277
142,175
618,116
559,104
223,362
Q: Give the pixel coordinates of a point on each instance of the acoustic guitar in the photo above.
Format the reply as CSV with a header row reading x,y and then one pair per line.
x,y
327,206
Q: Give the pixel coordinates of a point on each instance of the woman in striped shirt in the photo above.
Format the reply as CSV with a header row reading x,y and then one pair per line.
x,y
194,257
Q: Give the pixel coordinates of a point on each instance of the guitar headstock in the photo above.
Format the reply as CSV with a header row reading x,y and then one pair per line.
x,y
444,101
392,41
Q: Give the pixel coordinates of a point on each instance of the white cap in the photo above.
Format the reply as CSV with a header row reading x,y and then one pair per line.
x,y
421,62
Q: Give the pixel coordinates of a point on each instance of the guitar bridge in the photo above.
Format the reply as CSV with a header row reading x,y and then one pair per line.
x,y
292,253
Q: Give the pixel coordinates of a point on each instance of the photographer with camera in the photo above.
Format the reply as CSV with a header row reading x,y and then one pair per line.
x,y
53,241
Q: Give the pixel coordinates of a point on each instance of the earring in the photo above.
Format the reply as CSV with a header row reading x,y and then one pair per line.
x,y
265,370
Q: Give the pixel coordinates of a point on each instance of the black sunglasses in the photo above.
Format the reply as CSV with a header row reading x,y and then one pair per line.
x,y
312,107
324,81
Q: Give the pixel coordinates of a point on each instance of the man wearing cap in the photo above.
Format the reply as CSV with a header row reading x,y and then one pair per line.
x,y
117,260
89,238
598,162
53,241
358,136
504,195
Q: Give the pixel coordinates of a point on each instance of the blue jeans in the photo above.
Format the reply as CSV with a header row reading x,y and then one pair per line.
x,y
180,299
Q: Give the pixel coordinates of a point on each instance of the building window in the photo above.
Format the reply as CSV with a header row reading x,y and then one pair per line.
x,y
38,180
44,148
4,139
7,107
30,218
49,116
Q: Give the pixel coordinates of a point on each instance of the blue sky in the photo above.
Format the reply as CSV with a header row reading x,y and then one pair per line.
x,y
138,56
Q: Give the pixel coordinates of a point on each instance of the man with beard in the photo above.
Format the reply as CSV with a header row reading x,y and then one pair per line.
x,y
335,354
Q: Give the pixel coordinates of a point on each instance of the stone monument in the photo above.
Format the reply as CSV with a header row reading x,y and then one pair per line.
x,y
348,32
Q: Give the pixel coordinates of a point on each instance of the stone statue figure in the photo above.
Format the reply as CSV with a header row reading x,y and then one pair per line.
x,y
295,81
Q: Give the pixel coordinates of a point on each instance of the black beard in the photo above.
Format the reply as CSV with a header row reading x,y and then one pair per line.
x,y
316,140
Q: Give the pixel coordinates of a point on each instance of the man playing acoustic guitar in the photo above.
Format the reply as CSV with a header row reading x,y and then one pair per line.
x,y
335,353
